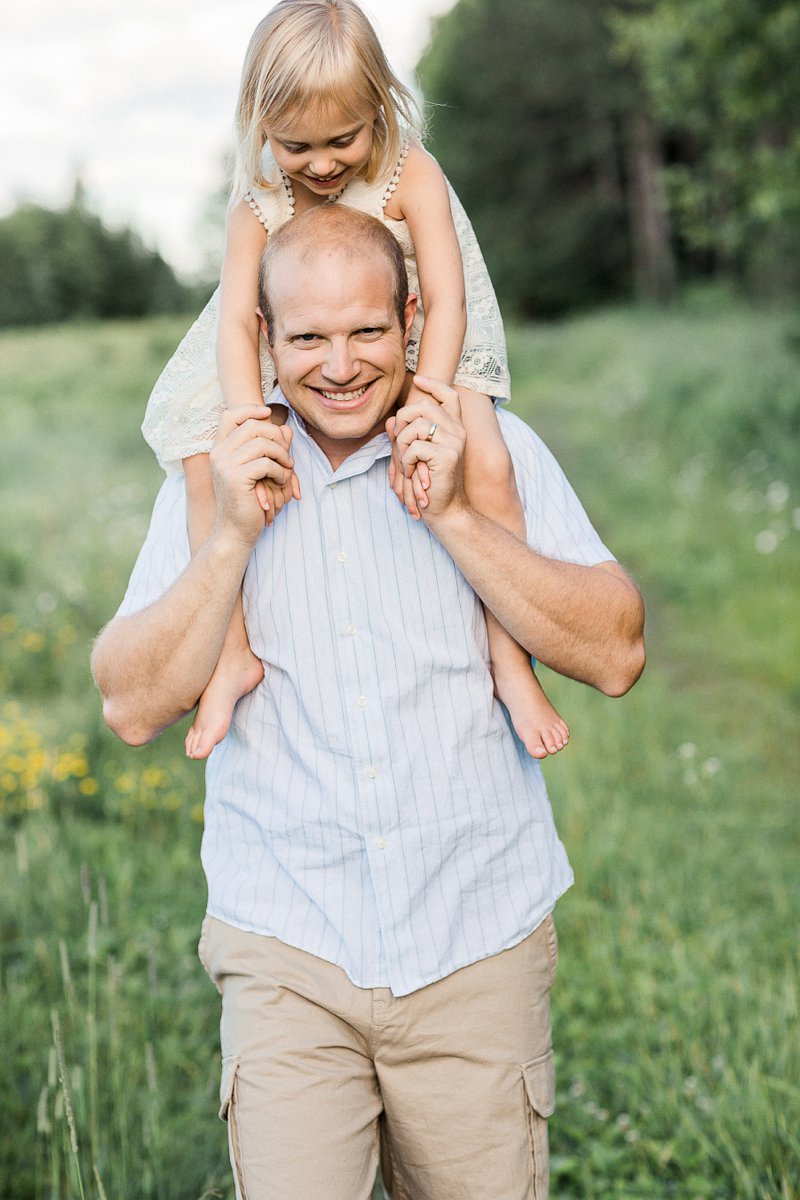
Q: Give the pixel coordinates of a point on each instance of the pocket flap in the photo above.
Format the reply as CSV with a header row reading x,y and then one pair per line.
x,y
227,1085
540,1084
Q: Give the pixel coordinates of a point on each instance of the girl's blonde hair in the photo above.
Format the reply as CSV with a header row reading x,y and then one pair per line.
x,y
317,53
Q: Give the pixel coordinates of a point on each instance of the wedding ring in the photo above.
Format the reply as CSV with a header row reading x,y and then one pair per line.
x,y
432,431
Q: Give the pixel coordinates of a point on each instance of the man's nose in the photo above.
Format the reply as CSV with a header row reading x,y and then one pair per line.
x,y
341,364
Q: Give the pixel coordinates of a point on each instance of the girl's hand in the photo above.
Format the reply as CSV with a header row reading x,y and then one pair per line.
x,y
430,434
273,496
410,487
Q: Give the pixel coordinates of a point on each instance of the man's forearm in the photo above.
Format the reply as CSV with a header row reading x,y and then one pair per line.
x,y
584,622
152,666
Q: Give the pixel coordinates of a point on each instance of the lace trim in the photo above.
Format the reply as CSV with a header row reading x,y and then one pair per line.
x,y
398,171
287,187
250,199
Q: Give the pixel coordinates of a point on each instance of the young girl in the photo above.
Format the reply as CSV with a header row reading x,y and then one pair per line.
x,y
322,119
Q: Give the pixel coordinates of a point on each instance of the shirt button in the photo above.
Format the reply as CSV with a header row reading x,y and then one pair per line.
x,y
380,843
361,701
373,772
350,630
341,556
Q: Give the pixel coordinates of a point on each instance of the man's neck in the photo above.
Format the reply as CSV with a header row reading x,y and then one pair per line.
x,y
338,450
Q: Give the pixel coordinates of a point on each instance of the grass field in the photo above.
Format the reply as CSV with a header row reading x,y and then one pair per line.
x,y
675,1010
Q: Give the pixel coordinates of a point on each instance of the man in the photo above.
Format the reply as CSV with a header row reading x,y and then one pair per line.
x,y
381,857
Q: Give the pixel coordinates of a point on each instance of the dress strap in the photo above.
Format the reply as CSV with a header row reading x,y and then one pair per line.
x,y
273,202
250,199
398,171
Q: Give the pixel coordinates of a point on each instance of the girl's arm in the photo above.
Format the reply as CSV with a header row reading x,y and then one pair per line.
x,y
237,339
237,358
423,201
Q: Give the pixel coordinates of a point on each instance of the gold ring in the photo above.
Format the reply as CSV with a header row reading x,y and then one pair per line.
x,y
432,431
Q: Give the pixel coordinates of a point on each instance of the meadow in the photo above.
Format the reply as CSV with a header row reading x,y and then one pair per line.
x,y
676,1006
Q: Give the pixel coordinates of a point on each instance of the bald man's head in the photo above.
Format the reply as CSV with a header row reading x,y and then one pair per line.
x,y
333,230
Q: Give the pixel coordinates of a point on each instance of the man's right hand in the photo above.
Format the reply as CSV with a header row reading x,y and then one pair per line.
x,y
249,449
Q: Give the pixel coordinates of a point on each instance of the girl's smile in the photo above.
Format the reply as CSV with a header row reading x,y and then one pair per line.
x,y
323,151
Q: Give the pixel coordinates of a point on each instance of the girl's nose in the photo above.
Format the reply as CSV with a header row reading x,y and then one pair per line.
x,y
323,167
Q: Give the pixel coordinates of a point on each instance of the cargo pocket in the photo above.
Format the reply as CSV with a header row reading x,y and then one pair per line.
x,y
540,1092
228,1112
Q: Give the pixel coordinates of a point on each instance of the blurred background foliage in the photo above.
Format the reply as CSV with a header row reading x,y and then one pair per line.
x,y
67,265
606,148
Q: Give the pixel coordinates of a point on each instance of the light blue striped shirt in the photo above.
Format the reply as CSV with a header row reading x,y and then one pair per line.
x,y
370,804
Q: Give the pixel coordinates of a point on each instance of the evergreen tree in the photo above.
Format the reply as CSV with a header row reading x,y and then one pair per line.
x,y
55,266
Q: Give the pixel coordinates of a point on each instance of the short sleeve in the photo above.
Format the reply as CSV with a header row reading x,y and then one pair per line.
x,y
165,553
558,526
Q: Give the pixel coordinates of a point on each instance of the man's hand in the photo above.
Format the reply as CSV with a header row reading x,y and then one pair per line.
x,y
251,465
430,438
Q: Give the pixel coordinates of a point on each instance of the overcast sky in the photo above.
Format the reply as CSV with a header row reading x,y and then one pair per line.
x,y
139,99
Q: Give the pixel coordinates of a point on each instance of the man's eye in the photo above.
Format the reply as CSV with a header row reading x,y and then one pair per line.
x,y
370,331
305,339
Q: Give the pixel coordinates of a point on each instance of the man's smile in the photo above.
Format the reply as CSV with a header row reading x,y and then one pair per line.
x,y
343,398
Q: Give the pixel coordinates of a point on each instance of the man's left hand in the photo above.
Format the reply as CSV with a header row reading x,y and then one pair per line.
x,y
429,435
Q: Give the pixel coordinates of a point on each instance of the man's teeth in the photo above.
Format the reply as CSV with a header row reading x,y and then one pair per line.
x,y
341,396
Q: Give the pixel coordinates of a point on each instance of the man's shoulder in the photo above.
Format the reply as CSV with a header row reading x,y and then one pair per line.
x,y
518,434
528,452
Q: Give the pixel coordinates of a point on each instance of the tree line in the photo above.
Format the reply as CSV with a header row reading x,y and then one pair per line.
x,y
612,147
61,265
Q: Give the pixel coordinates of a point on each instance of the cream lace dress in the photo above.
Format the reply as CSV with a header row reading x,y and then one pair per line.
x,y
185,405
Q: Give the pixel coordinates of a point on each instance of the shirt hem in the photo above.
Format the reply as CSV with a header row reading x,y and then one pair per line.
x,y
508,944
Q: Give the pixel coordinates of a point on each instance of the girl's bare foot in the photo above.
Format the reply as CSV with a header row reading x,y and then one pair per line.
x,y
538,726
237,673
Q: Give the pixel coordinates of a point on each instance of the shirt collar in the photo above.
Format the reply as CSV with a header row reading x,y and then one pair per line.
x,y
356,463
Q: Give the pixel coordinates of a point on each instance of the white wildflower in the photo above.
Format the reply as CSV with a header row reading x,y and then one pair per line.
x,y
767,541
777,495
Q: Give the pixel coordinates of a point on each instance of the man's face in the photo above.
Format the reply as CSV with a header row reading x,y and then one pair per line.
x,y
337,345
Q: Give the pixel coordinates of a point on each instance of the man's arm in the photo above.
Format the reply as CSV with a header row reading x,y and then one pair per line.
x,y
152,666
584,622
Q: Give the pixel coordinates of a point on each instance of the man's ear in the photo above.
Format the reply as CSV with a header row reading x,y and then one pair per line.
x,y
262,321
408,314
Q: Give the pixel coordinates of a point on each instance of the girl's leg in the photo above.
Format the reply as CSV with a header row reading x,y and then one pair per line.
x,y
238,670
492,490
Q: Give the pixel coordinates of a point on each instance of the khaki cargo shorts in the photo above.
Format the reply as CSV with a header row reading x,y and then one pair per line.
x,y
451,1086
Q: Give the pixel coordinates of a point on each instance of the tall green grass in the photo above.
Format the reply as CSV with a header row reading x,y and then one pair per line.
x,y
675,1010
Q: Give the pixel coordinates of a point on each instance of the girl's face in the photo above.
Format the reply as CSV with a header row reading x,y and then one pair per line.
x,y
323,150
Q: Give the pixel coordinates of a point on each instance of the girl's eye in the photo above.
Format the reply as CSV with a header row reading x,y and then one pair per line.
x,y
341,143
